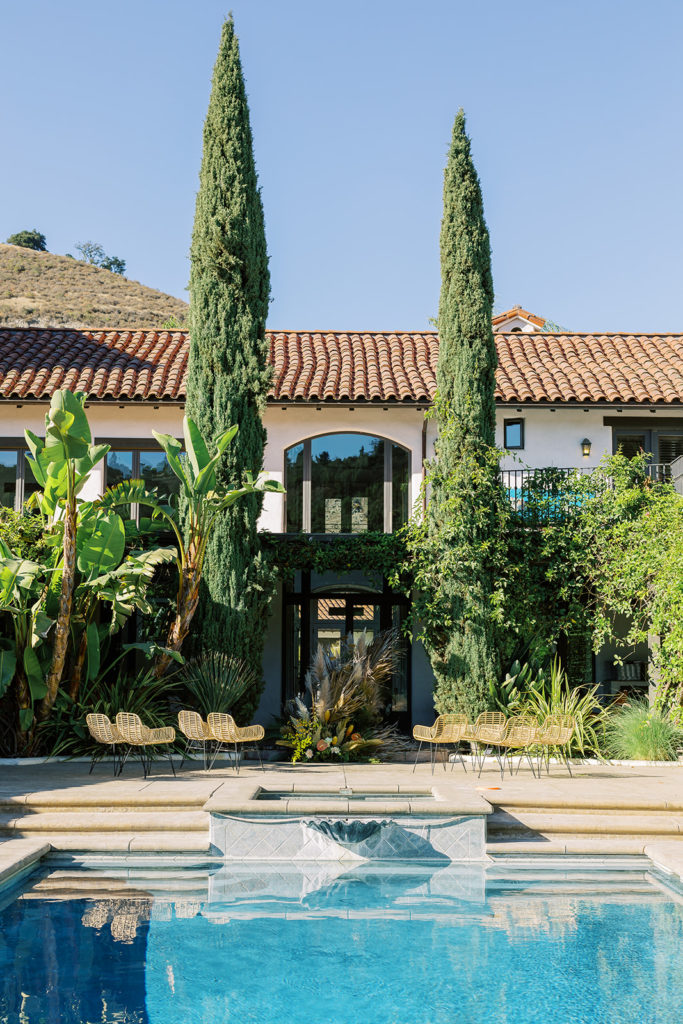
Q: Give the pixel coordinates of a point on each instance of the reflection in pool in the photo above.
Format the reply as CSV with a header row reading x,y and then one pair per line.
x,y
377,944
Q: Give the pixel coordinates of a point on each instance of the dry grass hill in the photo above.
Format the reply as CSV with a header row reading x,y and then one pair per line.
x,y
42,289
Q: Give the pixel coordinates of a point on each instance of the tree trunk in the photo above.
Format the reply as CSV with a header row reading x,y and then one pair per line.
x,y
180,627
77,674
62,626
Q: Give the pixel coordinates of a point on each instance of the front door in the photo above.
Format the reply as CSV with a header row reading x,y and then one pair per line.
x,y
327,618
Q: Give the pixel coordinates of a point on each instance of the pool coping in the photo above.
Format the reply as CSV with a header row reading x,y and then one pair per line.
x,y
442,798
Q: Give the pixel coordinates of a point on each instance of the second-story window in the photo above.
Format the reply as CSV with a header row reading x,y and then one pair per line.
x,y
513,434
346,483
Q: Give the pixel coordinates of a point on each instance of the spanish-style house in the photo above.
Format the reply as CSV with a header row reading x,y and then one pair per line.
x,y
348,438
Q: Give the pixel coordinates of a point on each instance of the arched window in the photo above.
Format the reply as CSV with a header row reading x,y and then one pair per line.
x,y
346,483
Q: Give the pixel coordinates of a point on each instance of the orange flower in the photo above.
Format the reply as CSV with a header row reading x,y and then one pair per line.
x,y
356,736
322,745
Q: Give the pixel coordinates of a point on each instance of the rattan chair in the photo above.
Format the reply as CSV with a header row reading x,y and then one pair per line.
x,y
446,729
519,736
555,733
141,739
227,734
485,733
105,732
196,732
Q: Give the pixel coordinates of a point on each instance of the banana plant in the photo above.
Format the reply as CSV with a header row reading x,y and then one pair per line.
x,y
61,463
21,585
204,501
108,576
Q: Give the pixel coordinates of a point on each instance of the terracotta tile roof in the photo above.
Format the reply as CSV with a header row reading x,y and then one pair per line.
x,y
334,366
124,365
501,318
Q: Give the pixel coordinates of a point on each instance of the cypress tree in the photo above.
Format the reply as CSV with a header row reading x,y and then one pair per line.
x,y
465,372
463,523
228,376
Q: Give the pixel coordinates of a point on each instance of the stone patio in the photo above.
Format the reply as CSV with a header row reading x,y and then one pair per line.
x,y
602,810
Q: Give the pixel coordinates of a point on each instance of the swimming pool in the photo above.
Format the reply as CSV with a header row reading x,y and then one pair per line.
x,y
134,943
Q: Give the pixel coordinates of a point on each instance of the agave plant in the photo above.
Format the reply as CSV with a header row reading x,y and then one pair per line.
x,y
215,682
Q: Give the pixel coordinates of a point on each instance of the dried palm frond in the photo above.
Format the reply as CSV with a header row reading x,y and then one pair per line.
x,y
355,680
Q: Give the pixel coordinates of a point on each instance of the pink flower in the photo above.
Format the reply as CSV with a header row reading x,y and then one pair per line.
x,y
322,745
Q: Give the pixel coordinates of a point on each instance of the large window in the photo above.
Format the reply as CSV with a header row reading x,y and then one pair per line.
x,y
136,464
347,483
17,483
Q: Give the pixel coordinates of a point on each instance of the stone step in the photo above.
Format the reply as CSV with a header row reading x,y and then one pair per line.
x,y
570,804
105,821
130,842
621,846
503,822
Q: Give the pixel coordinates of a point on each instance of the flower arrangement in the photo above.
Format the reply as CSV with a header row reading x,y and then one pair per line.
x,y
340,716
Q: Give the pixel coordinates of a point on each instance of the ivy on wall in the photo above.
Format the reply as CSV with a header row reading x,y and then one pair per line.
x,y
371,552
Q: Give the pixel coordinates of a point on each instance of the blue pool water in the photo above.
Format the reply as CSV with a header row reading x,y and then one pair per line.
x,y
315,943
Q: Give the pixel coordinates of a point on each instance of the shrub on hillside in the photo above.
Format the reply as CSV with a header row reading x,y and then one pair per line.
x,y
29,240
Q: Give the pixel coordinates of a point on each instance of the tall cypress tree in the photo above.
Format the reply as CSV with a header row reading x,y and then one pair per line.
x,y
465,372
462,531
228,376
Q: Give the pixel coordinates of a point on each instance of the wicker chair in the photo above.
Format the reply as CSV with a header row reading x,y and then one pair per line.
x,y
226,733
486,731
520,734
105,732
446,729
196,732
554,733
139,738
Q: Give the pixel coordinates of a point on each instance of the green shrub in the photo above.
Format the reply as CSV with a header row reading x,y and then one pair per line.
x,y
66,734
580,702
216,682
640,733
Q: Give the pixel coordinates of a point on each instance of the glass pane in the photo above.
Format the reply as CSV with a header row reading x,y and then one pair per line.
x,y
670,448
399,681
294,483
328,624
8,477
156,472
119,467
400,480
293,666
513,435
347,483
630,445
365,621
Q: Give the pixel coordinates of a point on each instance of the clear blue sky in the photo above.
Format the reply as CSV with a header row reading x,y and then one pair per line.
x,y
574,110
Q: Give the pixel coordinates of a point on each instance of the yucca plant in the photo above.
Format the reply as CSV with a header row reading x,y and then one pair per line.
x,y
581,703
638,732
215,682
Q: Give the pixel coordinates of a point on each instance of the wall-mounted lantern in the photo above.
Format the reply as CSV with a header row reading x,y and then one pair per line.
x,y
585,447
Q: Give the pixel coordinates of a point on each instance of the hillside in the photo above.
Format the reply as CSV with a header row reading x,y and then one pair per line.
x,y
42,289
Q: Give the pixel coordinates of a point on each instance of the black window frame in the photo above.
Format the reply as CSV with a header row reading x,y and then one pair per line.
x,y
307,473
18,445
135,446
517,421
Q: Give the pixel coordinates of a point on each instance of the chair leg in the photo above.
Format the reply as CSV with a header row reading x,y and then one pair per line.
x,y
417,755
123,759
258,751
237,764
170,758
92,764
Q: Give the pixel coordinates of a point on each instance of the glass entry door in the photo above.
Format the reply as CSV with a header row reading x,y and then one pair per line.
x,y
327,618
333,619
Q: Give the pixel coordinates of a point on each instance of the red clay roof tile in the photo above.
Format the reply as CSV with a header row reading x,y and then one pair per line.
x,y
339,366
